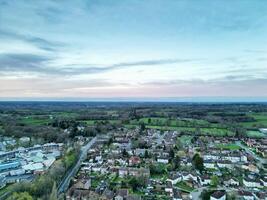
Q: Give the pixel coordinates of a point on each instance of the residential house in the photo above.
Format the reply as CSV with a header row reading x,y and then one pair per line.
x,y
177,195
246,195
205,180
231,182
249,182
218,195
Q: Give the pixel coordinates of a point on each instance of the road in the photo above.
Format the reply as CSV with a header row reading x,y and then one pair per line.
x,y
71,173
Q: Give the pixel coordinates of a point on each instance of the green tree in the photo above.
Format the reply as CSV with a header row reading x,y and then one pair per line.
x,y
137,182
142,126
172,154
53,195
146,154
176,162
198,162
20,196
214,181
125,153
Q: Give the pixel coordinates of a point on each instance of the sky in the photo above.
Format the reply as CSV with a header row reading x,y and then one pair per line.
x,y
87,49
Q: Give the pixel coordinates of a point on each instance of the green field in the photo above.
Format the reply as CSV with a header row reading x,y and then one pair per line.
x,y
261,121
34,121
255,134
185,139
65,114
184,187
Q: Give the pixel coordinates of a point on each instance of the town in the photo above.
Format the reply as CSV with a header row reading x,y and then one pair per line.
x,y
81,151
151,164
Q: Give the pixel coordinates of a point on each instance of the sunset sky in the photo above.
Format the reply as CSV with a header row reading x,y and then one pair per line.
x,y
133,49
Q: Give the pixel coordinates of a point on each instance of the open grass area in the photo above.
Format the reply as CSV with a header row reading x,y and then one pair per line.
x,y
34,121
184,187
185,139
6,189
261,121
228,146
255,134
216,132
65,114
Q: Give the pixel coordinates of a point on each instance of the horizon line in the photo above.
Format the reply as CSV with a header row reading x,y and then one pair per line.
x,y
211,99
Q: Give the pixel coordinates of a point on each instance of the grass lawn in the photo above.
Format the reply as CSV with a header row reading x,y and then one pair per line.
x,y
5,189
35,121
228,146
216,132
261,121
185,139
255,134
66,114
184,187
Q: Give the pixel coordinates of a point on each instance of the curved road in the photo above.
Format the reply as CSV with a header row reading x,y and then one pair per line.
x,y
71,173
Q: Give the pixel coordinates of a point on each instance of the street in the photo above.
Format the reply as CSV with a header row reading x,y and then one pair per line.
x,y
66,181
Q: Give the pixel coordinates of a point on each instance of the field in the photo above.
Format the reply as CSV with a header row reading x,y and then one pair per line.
x,y
34,121
185,139
255,134
261,121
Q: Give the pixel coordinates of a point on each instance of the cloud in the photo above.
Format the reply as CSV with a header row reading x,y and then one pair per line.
x,y
255,51
22,62
41,64
76,69
36,41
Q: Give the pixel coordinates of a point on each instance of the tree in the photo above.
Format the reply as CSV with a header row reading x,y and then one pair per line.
x,y
214,181
176,162
134,183
146,154
198,162
172,154
137,182
142,126
110,141
20,196
125,153
157,169
53,195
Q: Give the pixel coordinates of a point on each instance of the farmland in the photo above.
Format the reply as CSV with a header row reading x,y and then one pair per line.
x,y
260,121
35,120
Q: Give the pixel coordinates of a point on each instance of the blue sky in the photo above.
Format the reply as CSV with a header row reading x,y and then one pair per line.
x,y
133,48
